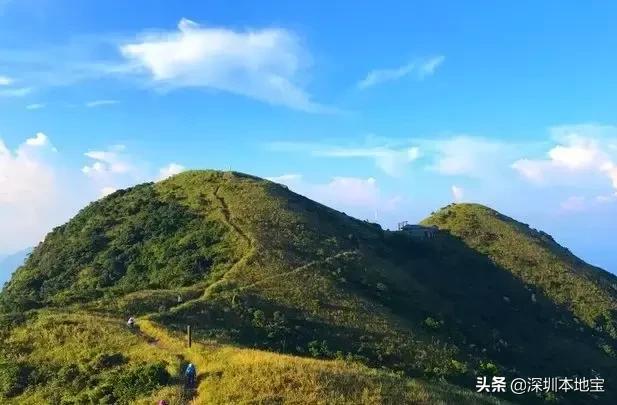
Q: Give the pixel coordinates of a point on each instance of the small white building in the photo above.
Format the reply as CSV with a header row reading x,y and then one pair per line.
x,y
418,231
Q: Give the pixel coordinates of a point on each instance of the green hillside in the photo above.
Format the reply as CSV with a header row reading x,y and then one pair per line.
x,y
535,258
270,281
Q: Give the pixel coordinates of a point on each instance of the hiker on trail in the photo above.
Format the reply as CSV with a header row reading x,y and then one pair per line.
x,y
190,374
131,322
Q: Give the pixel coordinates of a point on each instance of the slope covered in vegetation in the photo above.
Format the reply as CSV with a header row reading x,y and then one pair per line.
x,y
249,264
533,256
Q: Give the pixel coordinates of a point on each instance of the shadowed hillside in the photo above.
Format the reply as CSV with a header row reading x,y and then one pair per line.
x,y
249,264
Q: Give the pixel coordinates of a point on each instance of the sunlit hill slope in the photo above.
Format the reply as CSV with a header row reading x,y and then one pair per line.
x,y
291,301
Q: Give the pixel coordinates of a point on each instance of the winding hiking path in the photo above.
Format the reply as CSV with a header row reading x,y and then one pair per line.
x,y
230,223
298,269
164,340
224,209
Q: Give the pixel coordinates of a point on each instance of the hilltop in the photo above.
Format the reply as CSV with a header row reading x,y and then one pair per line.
x,y
266,276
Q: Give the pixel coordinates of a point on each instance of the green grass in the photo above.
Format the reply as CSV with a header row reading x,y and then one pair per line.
x,y
331,308
85,358
534,257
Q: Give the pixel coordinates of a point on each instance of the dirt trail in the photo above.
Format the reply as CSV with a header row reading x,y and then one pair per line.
x,y
164,340
227,218
224,208
298,269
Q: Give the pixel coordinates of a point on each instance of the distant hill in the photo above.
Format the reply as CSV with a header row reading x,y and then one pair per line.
x,y
535,258
251,265
9,263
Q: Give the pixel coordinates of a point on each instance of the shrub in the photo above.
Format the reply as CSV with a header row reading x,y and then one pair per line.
x,y
138,381
13,379
432,323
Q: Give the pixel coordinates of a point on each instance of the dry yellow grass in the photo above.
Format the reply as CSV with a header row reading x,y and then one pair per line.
x,y
232,375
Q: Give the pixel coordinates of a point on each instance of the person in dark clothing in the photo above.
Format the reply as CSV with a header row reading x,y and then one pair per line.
x,y
190,375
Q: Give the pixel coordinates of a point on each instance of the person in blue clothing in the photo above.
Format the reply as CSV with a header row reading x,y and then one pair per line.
x,y
190,374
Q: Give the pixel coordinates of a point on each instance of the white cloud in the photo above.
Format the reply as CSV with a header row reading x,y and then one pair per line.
x,y
107,163
35,106
573,204
16,92
457,193
391,161
419,68
114,168
349,191
5,81
286,179
582,153
466,155
32,197
170,170
361,197
100,103
263,64
105,191
38,193
40,139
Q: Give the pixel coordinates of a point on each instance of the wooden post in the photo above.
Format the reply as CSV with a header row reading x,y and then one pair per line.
x,y
189,336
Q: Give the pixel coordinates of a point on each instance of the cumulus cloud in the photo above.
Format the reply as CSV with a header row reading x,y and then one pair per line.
x,y
263,64
420,68
361,197
581,153
32,199
112,161
105,191
170,170
349,191
40,139
286,179
111,169
114,168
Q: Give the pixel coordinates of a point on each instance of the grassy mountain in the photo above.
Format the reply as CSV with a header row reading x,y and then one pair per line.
x,y
268,277
534,257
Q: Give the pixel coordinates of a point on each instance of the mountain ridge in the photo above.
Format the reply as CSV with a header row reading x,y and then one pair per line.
x,y
249,263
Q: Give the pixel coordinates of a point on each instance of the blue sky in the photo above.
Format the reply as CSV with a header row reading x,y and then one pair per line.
x,y
385,111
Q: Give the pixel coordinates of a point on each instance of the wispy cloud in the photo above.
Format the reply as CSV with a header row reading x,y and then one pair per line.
x,y
263,64
419,68
35,106
392,160
5,80
458,193
467,155
100,103
16,92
